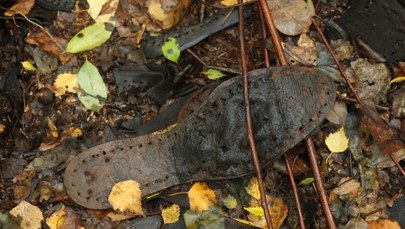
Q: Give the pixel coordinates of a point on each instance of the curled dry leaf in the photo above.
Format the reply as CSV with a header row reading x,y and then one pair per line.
x,y
53,45
292,17
20,7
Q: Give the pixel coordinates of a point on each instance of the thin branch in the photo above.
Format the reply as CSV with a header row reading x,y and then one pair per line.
x,y
249,125
319,184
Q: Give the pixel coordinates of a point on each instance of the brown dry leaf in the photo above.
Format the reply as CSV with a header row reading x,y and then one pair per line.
x,y
120,216
166,13
346,186
41,39
384,224
126,196
278,212
103,11
292,17
386,137
53,128
31,216
305,52
201,197
22,185
20,7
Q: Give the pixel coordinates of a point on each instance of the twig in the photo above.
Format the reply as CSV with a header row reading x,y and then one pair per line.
x,y
397,164
295,191
268,19
249,125
319,184
332,53
264,37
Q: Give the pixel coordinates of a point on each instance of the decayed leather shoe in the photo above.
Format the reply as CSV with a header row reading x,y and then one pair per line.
x,y
287,104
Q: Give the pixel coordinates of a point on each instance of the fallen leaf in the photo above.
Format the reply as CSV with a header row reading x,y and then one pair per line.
x,y
90,37
230,202
257,211
28,66
22,7
171,214
57,218
201,197
170,50
231,2
31,216
307,181
291,17
53,44
278,212
22,183
213,74
53,128
95,7
2,128
398,79
212,218
253,188
346,186
92,85
64,218
126,196
337,142
65,83
166,14
384,224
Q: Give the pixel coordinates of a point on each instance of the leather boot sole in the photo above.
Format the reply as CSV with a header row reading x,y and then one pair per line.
x,y
287,104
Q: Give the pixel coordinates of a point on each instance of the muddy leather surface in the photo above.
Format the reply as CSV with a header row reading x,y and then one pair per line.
x,y
287,104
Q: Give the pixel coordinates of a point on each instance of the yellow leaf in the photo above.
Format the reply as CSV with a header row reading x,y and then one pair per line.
x,y
244,221
57,218
65,82
383,224
278,212
27,65
76,132
337,142
397,79
126,196
171,214
257,211
2,128
230,202
201,197
253,188
231,2
31,216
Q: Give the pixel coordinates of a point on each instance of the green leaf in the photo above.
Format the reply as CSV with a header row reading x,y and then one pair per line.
x,y
171,50
92,85
90,37
213,74
230,202
307,181
213,218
